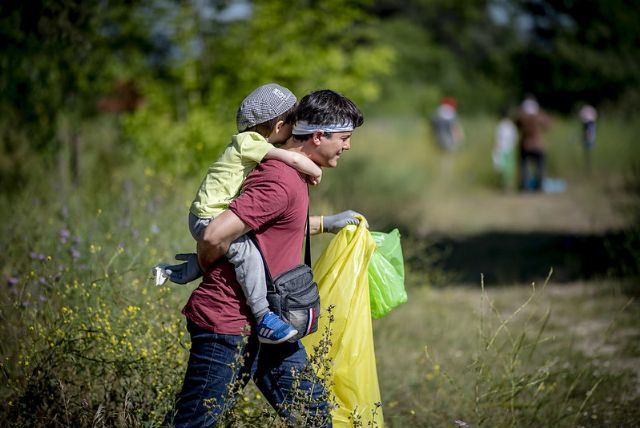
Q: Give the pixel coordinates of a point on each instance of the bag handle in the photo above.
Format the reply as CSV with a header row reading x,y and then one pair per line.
x,y
307,252
307,242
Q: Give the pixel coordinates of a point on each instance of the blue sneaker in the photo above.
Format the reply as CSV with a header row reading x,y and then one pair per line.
x,y
272,329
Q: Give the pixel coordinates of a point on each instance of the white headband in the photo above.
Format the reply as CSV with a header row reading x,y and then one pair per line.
x,y
303,128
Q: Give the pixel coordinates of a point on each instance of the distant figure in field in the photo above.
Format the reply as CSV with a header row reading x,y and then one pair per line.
x,y
446,129
531,123
504,159
588,116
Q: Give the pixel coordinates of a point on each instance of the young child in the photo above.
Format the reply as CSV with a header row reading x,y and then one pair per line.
x,y
262,121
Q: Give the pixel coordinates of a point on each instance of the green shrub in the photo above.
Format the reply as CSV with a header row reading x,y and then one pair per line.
x,y
178,146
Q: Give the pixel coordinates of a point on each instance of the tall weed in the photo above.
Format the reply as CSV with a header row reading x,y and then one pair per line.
x,y
499,362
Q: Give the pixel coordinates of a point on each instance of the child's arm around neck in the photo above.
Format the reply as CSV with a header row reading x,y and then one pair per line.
x,y
297,161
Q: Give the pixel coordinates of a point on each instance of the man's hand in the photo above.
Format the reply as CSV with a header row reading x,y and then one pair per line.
x,y
333,223
159,274
184,272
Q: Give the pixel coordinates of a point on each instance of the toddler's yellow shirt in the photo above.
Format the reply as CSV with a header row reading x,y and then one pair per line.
x,y
225,177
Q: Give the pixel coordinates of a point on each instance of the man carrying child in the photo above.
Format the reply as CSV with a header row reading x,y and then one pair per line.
x,y
273,205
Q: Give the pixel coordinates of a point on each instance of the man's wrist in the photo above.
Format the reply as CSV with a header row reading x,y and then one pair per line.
x,y
200,251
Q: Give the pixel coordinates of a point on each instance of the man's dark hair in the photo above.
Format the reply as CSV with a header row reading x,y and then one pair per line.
x,y
327,107
265,128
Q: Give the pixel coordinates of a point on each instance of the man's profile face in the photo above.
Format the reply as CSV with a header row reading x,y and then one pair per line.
x,y
331,147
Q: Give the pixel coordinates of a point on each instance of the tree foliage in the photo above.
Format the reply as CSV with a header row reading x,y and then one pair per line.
x,y
304,45
58,55
489,53
57,58
582,51
194,61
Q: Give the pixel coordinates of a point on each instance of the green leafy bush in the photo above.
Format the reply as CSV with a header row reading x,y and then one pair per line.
x,y
178,147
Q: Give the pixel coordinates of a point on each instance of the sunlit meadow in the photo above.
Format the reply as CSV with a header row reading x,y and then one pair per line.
x,y
88,340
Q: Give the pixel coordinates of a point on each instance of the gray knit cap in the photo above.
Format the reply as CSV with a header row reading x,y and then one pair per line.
x,y
263,104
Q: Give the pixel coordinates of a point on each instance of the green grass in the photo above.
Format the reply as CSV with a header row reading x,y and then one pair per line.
x,y
396,176
517,356
88,340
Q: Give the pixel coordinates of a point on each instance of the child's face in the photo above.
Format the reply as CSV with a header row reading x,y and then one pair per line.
x,y
281,133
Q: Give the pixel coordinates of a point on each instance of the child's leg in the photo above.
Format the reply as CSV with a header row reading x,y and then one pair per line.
x,y
250,273
249,267
197,226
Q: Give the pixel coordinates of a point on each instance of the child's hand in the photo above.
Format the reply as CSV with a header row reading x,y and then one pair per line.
x,y
314,180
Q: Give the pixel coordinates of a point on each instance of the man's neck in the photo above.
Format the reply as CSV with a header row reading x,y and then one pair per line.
x,y
295,146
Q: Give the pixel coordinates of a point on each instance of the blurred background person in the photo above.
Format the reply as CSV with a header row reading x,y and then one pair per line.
x,y
504,160
531,123
588,116
446,128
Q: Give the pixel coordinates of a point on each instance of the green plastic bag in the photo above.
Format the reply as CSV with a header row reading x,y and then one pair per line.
x,y
386,274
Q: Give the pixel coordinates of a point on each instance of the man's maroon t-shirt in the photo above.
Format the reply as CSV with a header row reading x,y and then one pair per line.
x,y
273,203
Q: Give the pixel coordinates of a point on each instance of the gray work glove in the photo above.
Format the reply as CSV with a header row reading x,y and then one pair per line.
x,y
184,272
333,223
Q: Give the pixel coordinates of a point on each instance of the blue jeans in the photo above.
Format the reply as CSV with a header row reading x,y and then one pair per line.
x,y
214,366
529,181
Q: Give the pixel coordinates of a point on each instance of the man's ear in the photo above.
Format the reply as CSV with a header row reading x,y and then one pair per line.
x,y
317,135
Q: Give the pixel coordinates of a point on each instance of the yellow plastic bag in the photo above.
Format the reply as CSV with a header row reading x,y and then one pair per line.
x,y
341,274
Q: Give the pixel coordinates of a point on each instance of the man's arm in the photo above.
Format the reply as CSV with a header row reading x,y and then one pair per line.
x,y
333,223
314,224
219,234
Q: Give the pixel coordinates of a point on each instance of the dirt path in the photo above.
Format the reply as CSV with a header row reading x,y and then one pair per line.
x,y
584,208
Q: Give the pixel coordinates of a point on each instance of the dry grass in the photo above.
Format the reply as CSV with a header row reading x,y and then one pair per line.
x,y
428,351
